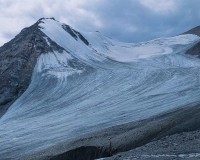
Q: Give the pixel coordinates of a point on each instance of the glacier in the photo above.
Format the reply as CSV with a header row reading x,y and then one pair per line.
x,y
110,83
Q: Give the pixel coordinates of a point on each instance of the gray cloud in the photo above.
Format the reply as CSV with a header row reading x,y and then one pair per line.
x,y
130,20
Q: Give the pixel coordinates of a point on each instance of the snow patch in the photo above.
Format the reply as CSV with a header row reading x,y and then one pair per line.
x,y
102,47
132,52
55,31
47,41
56,64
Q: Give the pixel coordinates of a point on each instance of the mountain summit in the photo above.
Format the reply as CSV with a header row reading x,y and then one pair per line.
x,y
66,94
18,59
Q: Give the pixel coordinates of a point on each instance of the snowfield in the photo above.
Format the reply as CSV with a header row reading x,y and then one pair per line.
x,y
110,83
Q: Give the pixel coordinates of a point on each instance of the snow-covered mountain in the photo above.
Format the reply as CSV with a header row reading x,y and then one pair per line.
x,y
77,95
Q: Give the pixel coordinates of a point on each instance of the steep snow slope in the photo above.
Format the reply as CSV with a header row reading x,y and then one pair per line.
x,y
96,83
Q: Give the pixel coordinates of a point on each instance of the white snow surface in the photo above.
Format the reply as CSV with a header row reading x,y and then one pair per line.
x,y
122,52
127,53
87,88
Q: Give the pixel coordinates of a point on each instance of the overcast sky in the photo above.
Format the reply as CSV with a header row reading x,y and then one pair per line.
x,y
124,20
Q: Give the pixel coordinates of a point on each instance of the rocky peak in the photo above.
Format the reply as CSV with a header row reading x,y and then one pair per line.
x,y
17,60
19,56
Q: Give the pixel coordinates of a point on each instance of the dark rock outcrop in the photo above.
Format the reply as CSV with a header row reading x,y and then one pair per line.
x,y
195,31
83,153
75,34
195,50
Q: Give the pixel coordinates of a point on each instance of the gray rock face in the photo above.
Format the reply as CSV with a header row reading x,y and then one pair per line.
x,y
195,50
195,31
17,60
178,146
75,34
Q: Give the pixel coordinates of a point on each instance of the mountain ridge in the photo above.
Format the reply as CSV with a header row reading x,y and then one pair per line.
x,y
73,93
26,48
195,30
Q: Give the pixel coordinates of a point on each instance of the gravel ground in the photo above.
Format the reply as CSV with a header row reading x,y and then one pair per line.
x,y
179,146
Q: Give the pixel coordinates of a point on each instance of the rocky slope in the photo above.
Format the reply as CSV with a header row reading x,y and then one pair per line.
x,y
181,141
178,146
195,50
17,61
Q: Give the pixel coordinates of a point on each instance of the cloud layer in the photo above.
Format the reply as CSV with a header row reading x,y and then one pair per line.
x,y
130,20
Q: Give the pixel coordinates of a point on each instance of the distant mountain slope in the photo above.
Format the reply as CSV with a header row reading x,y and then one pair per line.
x,y
195,50
66,94
195,31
